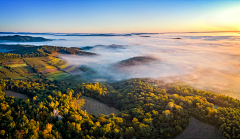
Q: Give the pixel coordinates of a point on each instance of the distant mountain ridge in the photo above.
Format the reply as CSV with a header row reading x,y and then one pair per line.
x,y
80,34
18,38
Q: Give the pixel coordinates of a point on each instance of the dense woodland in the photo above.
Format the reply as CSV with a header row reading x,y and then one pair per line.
x,y
146,111
18,38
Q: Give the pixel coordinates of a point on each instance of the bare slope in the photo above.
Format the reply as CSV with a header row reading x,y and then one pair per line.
x,y
15,94
199,130
94,107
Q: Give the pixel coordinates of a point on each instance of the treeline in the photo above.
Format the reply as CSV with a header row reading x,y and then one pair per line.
x,y
19,38
9,55
220,100
39,51
226,117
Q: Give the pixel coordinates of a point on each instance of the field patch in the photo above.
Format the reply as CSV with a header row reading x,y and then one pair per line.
x,y
23,70
17,65
63,66
57,76
11,74
33,76
12,61
73,70
49,70
38,64
199,130
15,94
94,107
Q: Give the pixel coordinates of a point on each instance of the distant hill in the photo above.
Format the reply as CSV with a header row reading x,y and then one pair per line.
x,y
112,46
39,51
136,61
18,38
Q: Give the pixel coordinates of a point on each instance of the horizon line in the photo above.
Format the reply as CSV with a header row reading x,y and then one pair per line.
x,y
125,33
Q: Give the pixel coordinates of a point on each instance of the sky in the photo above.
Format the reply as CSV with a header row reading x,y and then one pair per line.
x,y
119,16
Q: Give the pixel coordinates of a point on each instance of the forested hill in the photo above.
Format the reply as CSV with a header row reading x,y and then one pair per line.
x,y
53,87
17,51
135,61
146,111
18,38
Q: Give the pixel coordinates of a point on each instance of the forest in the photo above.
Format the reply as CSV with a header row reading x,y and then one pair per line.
x,y
146,111
18,38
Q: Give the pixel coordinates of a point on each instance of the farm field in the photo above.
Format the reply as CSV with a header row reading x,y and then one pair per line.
x,y
15,94
94,107
47,66
199,130
18,68
6,73
38,64
12,61
56,75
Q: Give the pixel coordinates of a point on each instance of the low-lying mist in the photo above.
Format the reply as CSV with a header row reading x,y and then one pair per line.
x,y
203,61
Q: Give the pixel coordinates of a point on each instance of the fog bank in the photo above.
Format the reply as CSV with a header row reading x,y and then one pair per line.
x,y
204,61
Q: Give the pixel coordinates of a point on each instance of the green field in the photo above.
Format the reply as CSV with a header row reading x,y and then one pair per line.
x,y
57,76
10,74
38,63
17,65
63,66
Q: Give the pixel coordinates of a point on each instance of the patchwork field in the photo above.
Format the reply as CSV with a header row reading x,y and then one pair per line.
x,y
12,61
199,130
57,62
94,107
6,73
38,64
15,94
17,65
73,70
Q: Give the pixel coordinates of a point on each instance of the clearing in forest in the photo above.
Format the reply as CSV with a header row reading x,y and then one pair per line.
x,y
199,130
94,107
15,94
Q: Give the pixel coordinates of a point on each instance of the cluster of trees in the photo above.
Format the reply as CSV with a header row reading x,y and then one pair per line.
x,y
136,60
226,117
26,51
39,51
220,100
67,50
19,38
146,111
9,55
50,113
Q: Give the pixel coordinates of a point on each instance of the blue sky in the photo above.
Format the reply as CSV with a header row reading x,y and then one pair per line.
x,y
118,16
